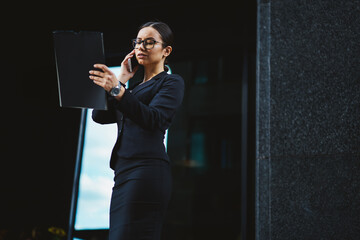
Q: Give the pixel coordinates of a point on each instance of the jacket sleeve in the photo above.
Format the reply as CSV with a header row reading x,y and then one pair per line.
x,y
105,116
160,111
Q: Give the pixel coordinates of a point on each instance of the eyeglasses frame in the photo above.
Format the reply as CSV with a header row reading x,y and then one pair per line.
x,y
136,42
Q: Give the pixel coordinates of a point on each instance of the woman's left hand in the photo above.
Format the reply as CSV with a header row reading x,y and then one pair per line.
x,y
105,79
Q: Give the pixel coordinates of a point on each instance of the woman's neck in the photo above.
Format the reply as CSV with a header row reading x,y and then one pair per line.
x,y
151,71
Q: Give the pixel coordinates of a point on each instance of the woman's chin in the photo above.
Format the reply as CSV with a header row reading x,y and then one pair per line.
x,y
141,62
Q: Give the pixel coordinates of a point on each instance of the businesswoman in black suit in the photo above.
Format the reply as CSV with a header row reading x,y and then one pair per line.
x,y
142,173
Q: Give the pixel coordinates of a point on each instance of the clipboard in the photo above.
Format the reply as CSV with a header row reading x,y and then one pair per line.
x,y
75,55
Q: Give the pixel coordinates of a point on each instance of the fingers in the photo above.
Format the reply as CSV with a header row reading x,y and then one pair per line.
x,y
98,81
102,82
97,78
103,67
100,77
97,73
105,78
130,55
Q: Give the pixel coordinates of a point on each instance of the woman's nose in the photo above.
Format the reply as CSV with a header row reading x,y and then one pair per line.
x,y
142,47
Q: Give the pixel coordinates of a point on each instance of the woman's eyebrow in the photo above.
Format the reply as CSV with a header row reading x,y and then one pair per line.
x,y
149,38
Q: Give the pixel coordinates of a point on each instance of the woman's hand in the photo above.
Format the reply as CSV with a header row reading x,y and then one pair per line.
x,y
125,75
105,79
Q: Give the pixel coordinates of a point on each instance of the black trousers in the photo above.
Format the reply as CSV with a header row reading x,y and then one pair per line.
x,y
139,199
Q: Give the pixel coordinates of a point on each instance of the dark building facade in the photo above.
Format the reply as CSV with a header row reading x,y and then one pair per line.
x,y
308,127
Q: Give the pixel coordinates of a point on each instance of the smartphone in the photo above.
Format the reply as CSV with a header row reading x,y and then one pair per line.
x,y
132,63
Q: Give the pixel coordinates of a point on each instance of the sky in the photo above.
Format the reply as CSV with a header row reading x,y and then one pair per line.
x,y
96,178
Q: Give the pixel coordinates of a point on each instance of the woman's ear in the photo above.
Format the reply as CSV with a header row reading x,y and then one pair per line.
x,y
167,51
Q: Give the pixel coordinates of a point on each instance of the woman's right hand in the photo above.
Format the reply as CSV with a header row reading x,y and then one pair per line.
x,y
125,74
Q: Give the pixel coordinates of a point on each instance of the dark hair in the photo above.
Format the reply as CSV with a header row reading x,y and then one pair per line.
x,y
163,29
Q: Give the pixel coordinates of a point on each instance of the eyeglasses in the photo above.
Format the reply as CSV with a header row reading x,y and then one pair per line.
x,y
148,43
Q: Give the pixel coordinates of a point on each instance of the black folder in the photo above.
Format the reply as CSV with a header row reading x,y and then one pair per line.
x,y
75,54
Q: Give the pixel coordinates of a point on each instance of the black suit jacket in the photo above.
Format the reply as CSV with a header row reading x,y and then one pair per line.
x,y
142,115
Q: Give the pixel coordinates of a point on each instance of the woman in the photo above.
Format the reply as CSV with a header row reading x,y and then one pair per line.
x,y
142,172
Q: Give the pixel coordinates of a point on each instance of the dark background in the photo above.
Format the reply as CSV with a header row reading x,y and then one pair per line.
x,y
215,40
308,112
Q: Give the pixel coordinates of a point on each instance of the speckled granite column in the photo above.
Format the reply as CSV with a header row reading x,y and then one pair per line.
x,y
308,120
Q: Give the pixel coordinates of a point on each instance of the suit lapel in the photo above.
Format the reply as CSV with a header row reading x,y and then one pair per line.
x,y
146,84
142,86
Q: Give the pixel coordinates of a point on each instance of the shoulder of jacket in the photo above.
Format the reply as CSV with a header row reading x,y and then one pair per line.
x,y
173,77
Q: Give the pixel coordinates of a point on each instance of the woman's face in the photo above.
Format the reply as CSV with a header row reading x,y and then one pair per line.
x,y
152,56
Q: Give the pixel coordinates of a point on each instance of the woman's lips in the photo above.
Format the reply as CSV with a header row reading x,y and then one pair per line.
x,y
140,55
